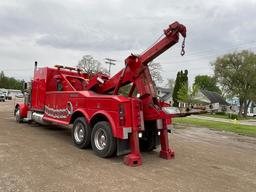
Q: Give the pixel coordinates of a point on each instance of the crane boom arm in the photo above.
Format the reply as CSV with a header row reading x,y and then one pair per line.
x,y
135,65
171,38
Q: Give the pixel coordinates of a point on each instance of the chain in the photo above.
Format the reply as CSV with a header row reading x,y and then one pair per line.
x,y
183,48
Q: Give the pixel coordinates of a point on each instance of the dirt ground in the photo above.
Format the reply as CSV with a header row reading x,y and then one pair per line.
x,y
37,158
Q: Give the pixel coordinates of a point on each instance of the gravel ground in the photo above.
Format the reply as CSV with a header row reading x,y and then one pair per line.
x,y
37,158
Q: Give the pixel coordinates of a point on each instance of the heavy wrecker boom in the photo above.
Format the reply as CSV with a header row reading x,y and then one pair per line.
x,y
136,71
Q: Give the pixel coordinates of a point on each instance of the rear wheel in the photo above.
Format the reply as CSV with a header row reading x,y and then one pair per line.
x,y
103,142
148,141
81,133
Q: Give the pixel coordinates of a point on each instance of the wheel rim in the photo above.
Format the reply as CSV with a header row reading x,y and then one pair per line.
x,y
79,132
100,139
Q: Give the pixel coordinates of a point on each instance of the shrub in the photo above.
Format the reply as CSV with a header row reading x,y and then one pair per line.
x,y
220,113
233,116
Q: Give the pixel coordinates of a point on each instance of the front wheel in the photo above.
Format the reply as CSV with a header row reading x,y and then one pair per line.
x,y
17,115
103,142
81,133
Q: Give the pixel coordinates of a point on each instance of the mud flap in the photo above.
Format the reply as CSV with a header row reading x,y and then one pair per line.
x,y
123,147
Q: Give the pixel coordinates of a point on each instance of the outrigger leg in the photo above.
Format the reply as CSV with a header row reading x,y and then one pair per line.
x,y
134,158
166,152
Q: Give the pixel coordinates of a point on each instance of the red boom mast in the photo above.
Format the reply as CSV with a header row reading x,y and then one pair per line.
x,y
136,71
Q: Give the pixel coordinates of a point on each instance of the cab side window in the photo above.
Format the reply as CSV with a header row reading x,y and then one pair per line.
x,y
59,86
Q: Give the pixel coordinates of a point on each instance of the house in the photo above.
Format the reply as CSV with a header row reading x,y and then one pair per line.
x,y
211,101
164,94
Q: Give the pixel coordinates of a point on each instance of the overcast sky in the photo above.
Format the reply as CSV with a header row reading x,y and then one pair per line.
x,y
61,32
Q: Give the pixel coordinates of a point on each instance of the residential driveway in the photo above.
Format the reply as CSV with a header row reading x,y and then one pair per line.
x,y
37,158
242,122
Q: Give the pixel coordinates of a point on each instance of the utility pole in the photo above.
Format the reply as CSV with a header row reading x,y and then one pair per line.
x,y
110,62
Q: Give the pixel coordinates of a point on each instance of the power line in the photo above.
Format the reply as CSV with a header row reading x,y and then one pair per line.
x,y
240,44
194,58
195,55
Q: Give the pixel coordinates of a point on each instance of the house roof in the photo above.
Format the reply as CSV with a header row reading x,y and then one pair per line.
x,y
214,97
166,96
163,90
165,93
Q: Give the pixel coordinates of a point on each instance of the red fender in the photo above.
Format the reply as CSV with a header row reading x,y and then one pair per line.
x,y
87,119
110,119
23,109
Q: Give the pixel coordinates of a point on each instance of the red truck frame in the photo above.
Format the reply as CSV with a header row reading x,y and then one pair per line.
x,y
100,116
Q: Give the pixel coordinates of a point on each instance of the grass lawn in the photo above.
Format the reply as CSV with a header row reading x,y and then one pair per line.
x,y
248,130
226,116
216,115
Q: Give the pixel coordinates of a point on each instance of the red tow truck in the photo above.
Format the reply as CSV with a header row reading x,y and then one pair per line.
x,y
113,124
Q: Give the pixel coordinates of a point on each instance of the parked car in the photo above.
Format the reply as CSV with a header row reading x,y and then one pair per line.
x,y
8,97
19,95
249,114
12,93
2,96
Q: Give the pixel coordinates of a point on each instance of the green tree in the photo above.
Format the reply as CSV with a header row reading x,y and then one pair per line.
x,y
180,91
10,82
183,93
236,74
206,82
175,90
192,93
3,80
125,90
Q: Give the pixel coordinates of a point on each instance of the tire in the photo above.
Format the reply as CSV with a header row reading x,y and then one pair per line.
x,y
103,142
81,133
148,141
17,115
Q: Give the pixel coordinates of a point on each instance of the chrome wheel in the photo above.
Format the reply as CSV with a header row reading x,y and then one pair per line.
x,y
103,142
79,132
100,139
